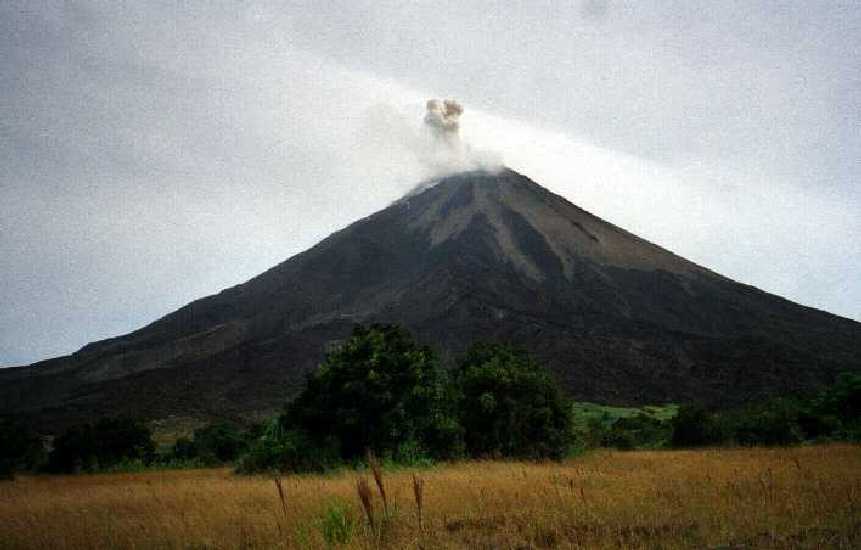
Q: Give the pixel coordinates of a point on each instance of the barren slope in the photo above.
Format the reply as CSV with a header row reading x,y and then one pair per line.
x,y
477,256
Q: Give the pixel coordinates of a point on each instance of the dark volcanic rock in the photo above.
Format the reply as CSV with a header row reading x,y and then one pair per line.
x,y
478,256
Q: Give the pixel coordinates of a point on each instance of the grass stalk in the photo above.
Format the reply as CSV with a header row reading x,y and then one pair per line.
x,y
377,471
366,498
418,489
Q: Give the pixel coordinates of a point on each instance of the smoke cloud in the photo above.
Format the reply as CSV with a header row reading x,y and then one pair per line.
x,y
442,150
443,117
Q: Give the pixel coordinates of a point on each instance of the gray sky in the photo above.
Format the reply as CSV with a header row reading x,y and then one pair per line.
x,y
155,152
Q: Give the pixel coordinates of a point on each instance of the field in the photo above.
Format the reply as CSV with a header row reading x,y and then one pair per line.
x,y
806,497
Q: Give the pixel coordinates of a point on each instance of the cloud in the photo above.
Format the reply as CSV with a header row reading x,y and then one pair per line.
x,y
594,9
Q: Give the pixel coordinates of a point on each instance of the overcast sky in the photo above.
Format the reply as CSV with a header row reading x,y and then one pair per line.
x,y
155,152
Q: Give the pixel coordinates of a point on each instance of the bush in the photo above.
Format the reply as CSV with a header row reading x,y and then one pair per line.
x,y
217,443
20,448
694,426
220,442
281,450
510,406
7,470
772,423
591,432
834,414
101,446
293,452
337,523
184,449
637,431
839,407
619,438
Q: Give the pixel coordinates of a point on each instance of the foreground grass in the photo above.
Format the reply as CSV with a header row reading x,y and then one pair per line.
x,y
785,498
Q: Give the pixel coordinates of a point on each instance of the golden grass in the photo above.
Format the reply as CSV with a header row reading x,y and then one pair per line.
x,y
784,498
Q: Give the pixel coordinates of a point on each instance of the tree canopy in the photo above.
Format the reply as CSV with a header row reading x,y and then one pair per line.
x,y
20,447
379,391
510,405
103,444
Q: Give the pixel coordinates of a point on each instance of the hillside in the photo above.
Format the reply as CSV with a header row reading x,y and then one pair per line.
x,y
477,256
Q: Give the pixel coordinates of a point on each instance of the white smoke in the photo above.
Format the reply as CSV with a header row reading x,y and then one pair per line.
x,y
443,151
406,139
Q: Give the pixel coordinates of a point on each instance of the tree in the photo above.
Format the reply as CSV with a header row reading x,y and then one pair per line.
x,y
184,449
100,445
20,447
74,451
842,401
216,443
843,398
773,422
277,449
220,442
511,406
379,391
694,426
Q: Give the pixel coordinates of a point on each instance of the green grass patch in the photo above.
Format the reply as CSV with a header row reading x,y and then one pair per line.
x,y
584,412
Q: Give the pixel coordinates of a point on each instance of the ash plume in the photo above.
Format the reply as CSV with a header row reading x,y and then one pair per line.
x,y
444,152
419,141
443,117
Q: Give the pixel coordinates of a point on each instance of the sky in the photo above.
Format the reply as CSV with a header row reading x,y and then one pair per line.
x,y
152,153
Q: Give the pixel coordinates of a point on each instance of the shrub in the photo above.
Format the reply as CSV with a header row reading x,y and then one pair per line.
x,y
510,406
216,443
839,407
593,431
7,470
282,450
834,414
694,426
411,453
184,449
337,523
619,438
220,442
122,438
772,423
109,441
637,431
20,447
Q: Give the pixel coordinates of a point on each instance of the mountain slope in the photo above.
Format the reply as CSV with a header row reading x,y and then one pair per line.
x,y
490,256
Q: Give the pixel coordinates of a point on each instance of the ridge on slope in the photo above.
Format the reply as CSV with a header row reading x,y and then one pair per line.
x,y
476,256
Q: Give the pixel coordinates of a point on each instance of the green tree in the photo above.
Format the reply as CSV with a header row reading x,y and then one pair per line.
x,y
279,449
184,449
219,442
379,391
773,422
842,402
694,426
100,445
511,406
20,447
216,443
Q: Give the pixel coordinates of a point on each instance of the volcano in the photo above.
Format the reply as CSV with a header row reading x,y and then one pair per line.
x,y
477,256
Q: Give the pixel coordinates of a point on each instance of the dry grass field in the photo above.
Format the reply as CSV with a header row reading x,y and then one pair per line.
x,y
808,497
